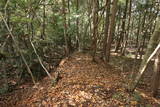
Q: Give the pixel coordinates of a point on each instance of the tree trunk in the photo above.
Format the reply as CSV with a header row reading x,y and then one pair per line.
x,y
67,50
137,37
144,35
151,46
127,30
118,28
156,76
123,32
111,30
95,27
138,29
142,46
106,29
44,21
32,27
77,25
69,24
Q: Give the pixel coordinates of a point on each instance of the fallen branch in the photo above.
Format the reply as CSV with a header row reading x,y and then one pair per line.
x,y
40,60
144,68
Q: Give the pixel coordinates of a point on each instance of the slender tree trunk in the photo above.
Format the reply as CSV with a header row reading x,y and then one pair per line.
x,y
8,17
138,29
128,28
77,25
89,16
106,29
44,22
144,35
32,27
95,27
69,12
156,76
118,28
137,46
151,46
67,50
69,25
142,46
131,38
111,30
123,32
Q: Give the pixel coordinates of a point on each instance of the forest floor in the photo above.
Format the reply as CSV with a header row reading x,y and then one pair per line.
x,y
84,83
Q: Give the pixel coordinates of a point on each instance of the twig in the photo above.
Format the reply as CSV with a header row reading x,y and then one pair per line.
x,y
40,60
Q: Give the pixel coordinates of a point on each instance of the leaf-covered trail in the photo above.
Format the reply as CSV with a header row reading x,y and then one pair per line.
x,y
83,83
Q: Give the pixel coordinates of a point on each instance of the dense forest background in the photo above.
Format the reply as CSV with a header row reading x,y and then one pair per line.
x,y
37,35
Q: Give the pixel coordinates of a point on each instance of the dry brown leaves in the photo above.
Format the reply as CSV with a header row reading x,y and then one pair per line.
x,y
83,83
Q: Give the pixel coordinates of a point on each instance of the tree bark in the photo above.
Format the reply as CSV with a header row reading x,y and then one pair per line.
x,y
77,25
123,31
156,76
95,27
44,22
69,24
111,30
144,35
67,50
128,28
151,46
106,29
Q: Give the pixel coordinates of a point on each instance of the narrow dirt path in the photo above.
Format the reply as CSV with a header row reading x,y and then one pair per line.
x,y
83,83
